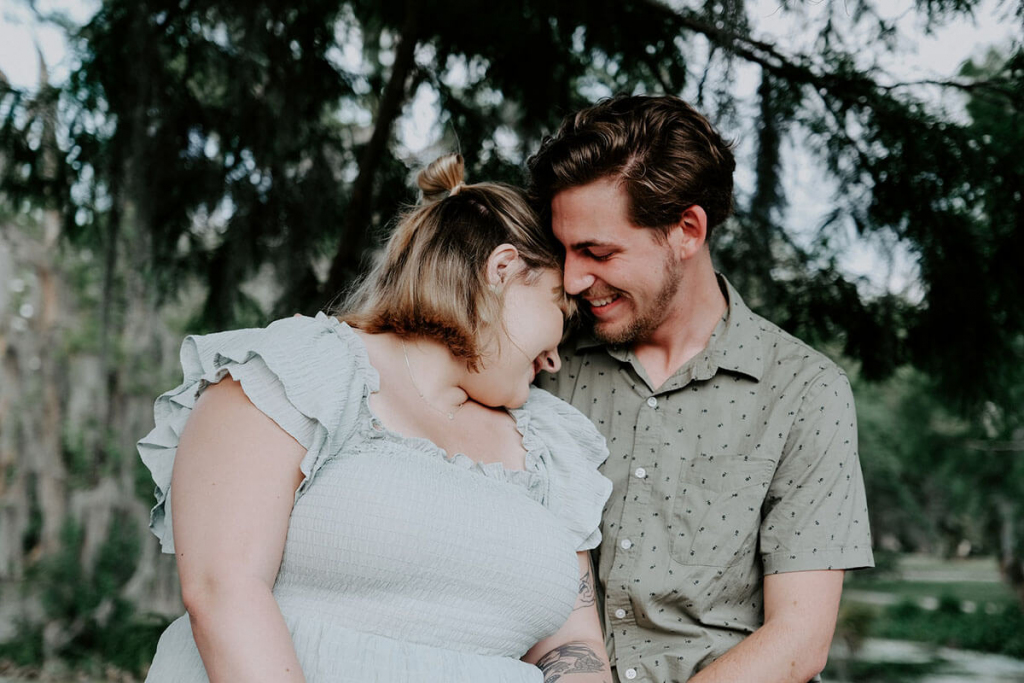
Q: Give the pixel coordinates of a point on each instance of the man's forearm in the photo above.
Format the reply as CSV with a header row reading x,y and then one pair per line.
x,y
778,652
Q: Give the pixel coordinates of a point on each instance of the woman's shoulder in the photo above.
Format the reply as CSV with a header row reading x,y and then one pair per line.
x,y
306,355
298,343
559,417
293,327
309,375
573,449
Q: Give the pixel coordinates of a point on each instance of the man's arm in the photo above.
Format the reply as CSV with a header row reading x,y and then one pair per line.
x,y
800,610
815,518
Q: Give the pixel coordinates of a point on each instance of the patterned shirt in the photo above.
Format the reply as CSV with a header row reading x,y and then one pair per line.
x,y
743,463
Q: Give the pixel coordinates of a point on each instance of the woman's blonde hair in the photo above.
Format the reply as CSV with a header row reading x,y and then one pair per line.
x,y
430,279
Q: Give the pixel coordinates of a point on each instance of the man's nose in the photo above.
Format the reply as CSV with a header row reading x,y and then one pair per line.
x,y
575,278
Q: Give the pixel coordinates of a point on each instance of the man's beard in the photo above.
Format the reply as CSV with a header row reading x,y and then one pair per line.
x,y
648,319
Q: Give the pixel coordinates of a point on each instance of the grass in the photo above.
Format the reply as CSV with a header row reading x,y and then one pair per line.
x,y
996,625
980,592
878,672
913,577
999,633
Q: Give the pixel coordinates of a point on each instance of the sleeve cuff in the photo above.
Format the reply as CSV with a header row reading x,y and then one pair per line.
x,y
851,557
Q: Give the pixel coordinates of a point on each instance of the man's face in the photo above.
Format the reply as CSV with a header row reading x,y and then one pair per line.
x,y
626,276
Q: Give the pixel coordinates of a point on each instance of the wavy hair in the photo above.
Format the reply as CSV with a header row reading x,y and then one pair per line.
x,y
664,153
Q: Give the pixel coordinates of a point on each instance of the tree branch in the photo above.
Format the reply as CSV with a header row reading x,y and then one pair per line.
x,y
1001,86
847,88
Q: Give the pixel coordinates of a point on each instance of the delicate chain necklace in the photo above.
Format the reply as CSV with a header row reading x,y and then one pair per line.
x,y
450,414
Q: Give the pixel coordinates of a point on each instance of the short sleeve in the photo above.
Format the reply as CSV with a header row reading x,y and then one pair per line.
x,y
306,374
816,511
574,449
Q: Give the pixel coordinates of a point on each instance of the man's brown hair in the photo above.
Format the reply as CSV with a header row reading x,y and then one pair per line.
x,y
665,154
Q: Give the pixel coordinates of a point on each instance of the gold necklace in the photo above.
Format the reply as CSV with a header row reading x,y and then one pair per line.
x,y
450,414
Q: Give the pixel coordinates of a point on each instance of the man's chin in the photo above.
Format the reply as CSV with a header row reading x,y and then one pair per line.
x,y
633,329
613,334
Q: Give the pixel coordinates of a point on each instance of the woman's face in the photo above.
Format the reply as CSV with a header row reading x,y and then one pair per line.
x,y
526,344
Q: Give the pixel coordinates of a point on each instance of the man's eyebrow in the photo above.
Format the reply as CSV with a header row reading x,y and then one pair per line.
x,y
590,244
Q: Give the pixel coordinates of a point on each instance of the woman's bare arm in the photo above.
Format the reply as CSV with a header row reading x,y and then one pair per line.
x,y
575,653
234,481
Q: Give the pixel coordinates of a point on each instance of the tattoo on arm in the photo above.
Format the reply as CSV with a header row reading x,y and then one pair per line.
x,y
571,658
586,596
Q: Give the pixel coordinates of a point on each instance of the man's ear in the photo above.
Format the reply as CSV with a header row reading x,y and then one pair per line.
x,y
689,235
502,264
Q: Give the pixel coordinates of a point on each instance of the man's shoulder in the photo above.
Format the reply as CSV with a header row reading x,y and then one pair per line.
x,y
787,357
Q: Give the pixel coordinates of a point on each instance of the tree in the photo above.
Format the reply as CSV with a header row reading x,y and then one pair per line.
x,y
997,225
246,155
240,103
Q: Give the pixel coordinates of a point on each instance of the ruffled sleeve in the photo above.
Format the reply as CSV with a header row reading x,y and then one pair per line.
x,y
573,451
306,374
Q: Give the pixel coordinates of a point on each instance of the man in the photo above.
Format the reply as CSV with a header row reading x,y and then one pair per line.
x,y
738,500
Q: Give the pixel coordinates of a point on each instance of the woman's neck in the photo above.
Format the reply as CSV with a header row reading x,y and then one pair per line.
x,y
434,373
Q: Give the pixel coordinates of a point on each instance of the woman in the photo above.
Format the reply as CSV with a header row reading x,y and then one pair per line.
x,y
387,498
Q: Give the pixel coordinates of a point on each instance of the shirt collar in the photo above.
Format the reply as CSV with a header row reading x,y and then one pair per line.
x,y
735,344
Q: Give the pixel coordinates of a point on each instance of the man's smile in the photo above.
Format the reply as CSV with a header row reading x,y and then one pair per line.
x,y
602,304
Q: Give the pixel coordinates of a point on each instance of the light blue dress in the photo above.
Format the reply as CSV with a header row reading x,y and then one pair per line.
x,y
402,562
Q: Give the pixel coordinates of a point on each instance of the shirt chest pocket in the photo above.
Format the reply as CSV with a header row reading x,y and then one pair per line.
x,y
716,513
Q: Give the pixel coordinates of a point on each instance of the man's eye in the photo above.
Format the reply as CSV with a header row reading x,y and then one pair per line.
x,y
599,256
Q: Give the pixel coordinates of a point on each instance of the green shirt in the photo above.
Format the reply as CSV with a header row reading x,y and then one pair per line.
x,y
743,463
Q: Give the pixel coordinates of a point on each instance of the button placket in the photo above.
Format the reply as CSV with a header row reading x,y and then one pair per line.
x,y
629,548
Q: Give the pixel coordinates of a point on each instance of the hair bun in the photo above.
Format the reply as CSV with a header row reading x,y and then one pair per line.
x,y
443,177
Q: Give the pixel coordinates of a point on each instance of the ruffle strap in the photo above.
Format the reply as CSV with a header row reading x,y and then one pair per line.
x,y
577,492
301,372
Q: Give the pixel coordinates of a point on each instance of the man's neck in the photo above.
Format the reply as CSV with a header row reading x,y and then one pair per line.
x,y
698,306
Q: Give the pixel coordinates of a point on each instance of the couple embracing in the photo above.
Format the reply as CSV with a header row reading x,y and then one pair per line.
x,y
423,487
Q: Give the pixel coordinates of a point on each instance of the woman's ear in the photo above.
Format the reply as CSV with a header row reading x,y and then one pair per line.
x,y
502,265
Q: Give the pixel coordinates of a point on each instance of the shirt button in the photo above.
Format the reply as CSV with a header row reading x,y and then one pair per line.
x,y
620,613
630,674
640,473
652,402
626,544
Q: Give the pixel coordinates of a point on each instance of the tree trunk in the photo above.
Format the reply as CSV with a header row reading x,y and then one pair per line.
x,y
355,234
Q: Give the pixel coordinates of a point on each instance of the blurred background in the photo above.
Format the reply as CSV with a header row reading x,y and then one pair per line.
x,y
179,166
